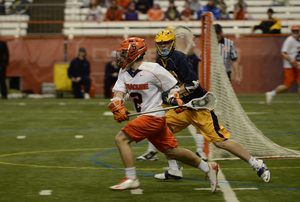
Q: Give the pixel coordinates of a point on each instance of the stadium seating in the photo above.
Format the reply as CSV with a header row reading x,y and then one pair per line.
x,y
74,17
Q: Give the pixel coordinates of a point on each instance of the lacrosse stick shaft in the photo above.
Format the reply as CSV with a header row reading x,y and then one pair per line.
x,y
147,112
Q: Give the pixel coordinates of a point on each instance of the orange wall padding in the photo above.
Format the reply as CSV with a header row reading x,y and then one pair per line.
x,y
33,60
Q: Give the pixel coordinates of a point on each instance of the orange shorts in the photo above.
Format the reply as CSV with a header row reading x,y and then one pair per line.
x,y
153,128
290,75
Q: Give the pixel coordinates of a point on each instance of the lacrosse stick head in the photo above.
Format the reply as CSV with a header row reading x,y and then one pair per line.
x,y
209,102
184,38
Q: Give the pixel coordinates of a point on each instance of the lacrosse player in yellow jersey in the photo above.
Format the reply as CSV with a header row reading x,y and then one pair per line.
x,y
206,121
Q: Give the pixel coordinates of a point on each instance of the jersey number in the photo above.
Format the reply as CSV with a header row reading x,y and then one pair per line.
x,y
138,100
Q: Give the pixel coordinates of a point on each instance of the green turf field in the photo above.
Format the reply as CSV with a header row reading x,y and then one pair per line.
x,y
39,151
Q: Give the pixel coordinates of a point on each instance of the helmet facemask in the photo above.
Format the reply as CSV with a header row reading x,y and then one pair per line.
x,y
165,48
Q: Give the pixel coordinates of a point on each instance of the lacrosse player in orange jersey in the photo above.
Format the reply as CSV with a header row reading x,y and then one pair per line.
x,y
145,82
291,62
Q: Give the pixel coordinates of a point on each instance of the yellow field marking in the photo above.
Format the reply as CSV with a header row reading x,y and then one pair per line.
x,y
101,168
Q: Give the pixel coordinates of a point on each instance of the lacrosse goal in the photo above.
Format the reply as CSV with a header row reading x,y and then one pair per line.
x,y
229,111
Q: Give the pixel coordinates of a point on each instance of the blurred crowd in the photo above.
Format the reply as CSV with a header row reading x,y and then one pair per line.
x,y
117,10
18,7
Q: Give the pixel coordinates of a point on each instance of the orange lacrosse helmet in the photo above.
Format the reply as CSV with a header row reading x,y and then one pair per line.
x,y
295,27
130,50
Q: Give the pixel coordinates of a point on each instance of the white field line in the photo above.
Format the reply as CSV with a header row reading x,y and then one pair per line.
x,y
136,191
45,192
108,113
225,187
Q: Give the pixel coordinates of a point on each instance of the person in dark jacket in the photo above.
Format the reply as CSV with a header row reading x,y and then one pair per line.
x,y
4,59
111,74
79,73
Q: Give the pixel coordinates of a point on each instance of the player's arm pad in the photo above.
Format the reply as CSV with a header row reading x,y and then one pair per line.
x,y
191,86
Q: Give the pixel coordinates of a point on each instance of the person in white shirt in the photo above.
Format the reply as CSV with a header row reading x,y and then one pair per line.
x,y
145,82
291,63
94,12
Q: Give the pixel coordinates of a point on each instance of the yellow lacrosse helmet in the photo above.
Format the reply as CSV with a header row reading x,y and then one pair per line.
x,y
162,40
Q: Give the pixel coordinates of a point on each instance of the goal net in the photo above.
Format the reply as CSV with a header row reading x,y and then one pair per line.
x,y
229,111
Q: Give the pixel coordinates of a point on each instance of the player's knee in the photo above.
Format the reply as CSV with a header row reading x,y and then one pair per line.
x,y
171,152
121,139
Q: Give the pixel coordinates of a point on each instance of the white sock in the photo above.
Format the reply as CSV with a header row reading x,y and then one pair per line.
x,y
192,130
173,164
203,166
151,147
252,162
273,93
199,142
130,173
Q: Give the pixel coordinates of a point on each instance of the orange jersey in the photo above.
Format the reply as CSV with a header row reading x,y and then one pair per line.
x,y
155,14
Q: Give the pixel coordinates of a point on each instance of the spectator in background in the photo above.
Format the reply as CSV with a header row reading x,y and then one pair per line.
x,y
102,3
4,59
241,2
94,12
111,74
238,13
210,7
281,3
195,6
224,13
187,13
172,13
220,4
85,4
19,7
155,13
79,73
2,7
244,6
124,4
131,14
142,6
270,26
114,13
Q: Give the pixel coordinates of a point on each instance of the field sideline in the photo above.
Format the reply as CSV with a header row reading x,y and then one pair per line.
x,y
64,150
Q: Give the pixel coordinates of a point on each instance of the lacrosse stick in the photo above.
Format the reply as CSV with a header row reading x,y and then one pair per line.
x,y
208,101
184,38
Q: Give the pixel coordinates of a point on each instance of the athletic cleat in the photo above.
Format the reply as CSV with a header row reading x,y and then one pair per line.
x,y
262,171
169,174
213,176
148,156
269,98
126,183
202,155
